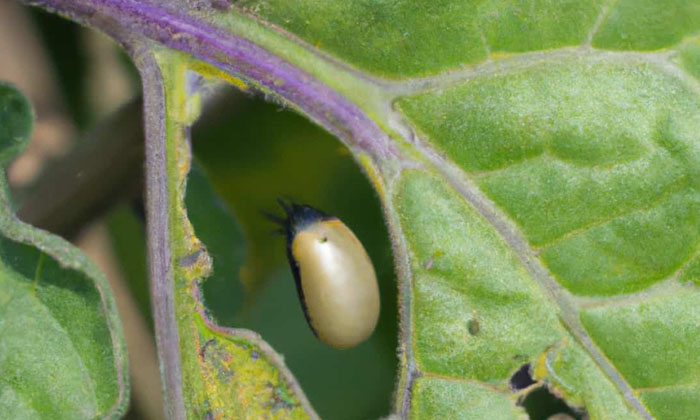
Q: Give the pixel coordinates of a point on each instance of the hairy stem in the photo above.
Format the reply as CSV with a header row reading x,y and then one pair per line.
x,y
131,22
141,25
157,217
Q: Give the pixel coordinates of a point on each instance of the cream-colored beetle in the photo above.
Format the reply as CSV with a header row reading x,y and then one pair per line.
x,y
334,276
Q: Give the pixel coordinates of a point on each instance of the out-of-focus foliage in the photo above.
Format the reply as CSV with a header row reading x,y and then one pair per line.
x,y
62,353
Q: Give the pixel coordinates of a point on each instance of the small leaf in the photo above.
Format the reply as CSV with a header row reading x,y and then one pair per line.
x,y
62,353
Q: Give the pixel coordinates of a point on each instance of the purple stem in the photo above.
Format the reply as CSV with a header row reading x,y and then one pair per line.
x,y
160,268
129,21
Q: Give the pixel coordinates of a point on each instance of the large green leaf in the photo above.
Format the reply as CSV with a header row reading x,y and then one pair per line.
x,y
598,168
548,212
62,353
410,38
538,164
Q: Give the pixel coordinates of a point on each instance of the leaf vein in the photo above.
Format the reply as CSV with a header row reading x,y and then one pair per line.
x,y
539,273
602,17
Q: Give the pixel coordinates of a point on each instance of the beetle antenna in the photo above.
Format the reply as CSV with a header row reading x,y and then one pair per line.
x,y
274,218
286,204
279,232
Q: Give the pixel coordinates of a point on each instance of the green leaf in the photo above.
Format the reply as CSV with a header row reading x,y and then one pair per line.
x,y
596,163
545,204
409,38
62,353
647,24
437,398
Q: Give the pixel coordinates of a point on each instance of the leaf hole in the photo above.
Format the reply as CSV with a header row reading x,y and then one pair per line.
x,y
542,404
522,378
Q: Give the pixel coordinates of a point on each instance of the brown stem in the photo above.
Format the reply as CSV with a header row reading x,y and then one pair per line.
x,y
105,168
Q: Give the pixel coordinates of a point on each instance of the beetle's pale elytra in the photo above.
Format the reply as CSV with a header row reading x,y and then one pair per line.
x,y
334,276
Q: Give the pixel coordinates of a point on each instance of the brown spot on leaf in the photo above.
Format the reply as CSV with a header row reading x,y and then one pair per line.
x,y
473,326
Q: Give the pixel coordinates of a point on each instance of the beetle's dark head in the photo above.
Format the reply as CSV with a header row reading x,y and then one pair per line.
x,y
298,216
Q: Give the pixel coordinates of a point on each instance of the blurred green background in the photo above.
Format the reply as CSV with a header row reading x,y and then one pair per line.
x,y
260,152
